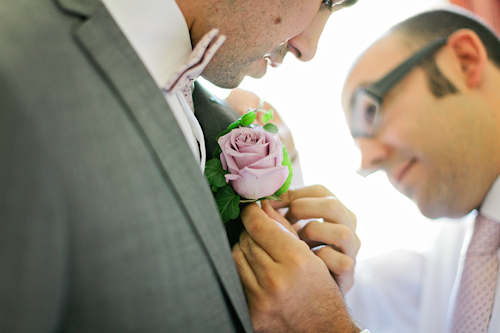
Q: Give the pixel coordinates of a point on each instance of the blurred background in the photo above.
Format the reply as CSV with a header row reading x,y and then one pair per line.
x,y
307,96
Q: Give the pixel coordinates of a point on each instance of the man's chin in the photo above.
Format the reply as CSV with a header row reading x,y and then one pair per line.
x,y
223,82
435,209
259,71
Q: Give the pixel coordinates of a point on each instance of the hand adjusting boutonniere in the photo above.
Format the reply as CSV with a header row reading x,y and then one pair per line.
x,y
250,164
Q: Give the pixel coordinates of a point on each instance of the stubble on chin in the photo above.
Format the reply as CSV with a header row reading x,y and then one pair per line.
x,y
224,75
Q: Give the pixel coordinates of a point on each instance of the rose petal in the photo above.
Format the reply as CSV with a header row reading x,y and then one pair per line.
x,y
223,161
256,184
248,156
267,162
243,160
261,149
224,143
230,176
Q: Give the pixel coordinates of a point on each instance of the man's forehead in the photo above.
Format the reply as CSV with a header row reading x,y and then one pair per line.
x,y
378,60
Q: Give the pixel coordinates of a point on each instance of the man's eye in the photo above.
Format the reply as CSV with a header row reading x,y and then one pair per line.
x,y
370,111
330,3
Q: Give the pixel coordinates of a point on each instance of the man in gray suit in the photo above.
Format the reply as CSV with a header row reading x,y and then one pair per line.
x,y
106,222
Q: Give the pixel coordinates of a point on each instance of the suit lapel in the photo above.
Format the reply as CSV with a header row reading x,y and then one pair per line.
x,y
213,114
101,38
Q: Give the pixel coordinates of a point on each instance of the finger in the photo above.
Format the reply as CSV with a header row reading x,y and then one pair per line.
x,y
314,191
245,271
340,265
341,237
329,208
272,213
242,100
258,259
272,236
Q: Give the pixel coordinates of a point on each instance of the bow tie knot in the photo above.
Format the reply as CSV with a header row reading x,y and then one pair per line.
x,y
185,76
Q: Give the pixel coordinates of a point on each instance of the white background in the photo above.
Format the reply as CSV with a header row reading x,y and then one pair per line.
x,y
307,95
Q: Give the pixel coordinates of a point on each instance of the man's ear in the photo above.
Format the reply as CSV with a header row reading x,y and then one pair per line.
x,y
471,53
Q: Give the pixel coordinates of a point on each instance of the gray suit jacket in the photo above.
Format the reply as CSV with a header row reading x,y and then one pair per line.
x,y
106,223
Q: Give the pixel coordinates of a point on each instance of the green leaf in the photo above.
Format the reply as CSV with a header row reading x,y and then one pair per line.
x,y
271,128
288,181
215,173
248,118
217,152
222,133
234,125
228,203
268,116
214,188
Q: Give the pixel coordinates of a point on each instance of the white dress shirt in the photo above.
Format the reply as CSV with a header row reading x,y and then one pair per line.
x,y
405,292
159,34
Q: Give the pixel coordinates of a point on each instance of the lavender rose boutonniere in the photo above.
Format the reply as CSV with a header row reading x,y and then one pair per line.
x,y
250,164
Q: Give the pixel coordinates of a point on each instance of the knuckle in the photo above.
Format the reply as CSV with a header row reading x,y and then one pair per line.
x,y
354,220
254,227
322,251
349,264
346,264
302,262
332,203
236,251
345,282
244,243
305,245
308,230
321,189
344,233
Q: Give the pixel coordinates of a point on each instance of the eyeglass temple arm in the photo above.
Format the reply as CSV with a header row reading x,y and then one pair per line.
x,y
403,69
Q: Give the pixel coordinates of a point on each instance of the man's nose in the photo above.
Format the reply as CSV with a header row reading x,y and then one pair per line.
x,y
373,155
305,44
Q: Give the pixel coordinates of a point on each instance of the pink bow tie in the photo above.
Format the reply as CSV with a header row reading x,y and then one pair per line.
x,y
183,79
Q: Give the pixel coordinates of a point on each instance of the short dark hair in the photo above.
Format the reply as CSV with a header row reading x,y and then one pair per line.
x,y
427,26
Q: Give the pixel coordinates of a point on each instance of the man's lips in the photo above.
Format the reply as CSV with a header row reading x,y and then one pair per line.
x,y
399,174
272,63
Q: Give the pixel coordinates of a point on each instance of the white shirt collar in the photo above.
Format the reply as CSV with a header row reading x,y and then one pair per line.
x,y
157,31
491,203
160,36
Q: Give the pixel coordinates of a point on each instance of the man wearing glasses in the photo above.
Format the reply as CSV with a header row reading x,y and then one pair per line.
x,y
423,105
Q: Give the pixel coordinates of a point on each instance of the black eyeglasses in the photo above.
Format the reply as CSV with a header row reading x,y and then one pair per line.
x,y
366,105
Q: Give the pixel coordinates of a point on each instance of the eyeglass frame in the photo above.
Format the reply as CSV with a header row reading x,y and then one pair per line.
x,y
375,92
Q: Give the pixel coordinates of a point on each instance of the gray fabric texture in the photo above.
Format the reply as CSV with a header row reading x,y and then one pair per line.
x,y
106,223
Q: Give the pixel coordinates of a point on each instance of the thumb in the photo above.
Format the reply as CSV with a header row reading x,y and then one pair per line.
x,y
272,213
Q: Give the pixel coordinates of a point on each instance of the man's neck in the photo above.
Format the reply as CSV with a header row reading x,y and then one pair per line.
x,y
188,9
